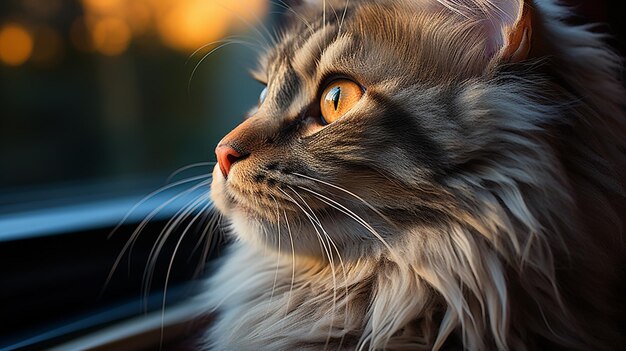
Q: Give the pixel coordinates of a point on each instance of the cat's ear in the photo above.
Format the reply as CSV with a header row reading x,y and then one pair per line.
x,y
517,35
507,25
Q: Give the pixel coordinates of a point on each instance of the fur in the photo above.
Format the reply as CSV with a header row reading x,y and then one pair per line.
x,y
466,202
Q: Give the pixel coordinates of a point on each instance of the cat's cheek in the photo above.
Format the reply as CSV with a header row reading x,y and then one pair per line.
x,y
311,127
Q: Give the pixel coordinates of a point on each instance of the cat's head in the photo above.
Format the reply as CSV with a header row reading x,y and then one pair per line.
x,y
376,119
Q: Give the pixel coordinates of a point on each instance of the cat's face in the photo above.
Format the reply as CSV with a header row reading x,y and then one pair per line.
x,y
366,121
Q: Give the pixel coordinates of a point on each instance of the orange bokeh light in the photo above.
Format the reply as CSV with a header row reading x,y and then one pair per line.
x,y
105,7
16,45
139,14
111,36
190,24
185,25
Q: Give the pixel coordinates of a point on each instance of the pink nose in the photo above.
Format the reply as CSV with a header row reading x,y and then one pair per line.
x,y
226,157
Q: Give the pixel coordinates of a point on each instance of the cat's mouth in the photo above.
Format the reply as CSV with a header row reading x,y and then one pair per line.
x,y
263,196
279,215
310,214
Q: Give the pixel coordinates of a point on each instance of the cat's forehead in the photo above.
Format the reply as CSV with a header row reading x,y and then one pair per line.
x,y
374,39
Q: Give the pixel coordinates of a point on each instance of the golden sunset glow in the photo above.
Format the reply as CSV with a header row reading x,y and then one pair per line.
x,y
104,7
191,24
141,16
16,44
185,25
111,36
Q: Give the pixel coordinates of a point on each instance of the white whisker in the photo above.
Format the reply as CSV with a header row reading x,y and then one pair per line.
x,y
169,269
239,38
182,169
298,15
328,253
349,193
277,256
227,43
210,243
180,216
343,17
349,213
293,264
267,41
130,242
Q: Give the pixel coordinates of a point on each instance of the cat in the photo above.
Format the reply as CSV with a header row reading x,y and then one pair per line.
x,y
425,175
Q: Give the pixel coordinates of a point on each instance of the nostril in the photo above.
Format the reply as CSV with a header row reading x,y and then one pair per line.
x,y
232,158
226,157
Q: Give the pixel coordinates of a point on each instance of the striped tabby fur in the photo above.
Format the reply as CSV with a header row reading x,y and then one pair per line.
x,y
473,199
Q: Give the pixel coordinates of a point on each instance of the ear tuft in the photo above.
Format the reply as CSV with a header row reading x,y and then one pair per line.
x,y
506,24
518,43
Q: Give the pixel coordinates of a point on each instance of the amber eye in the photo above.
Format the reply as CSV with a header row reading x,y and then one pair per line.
x,y
338,98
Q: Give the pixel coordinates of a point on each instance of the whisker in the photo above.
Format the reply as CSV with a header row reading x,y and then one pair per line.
x,y
278,256
343,17
309,217
169,269
171,225
341,261
290,9
193,72
334,11
293,270
133,237
207,224
350,213
324,16
252,27
210,244
209,227
349,193
293,264
152,194
152,214
330,258
241,38
182,169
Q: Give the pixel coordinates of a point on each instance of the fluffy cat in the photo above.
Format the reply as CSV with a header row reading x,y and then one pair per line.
x,y
425,175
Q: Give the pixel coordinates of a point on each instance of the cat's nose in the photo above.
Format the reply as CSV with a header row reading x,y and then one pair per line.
x,y
226,157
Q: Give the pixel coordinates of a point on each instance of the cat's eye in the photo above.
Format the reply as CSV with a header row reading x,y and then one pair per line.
x,y
262,95
338,98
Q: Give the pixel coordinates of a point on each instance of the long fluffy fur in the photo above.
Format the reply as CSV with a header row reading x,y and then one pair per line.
x,y
524,252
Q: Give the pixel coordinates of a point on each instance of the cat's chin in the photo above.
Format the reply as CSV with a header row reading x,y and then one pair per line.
x,y
291,231
246,225
231,207
218,192
301,240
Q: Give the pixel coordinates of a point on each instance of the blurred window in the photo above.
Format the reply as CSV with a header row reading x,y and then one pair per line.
x,y
100,101
101,98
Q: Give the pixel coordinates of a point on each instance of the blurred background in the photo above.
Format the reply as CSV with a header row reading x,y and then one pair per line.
x,y
100,102
100,93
